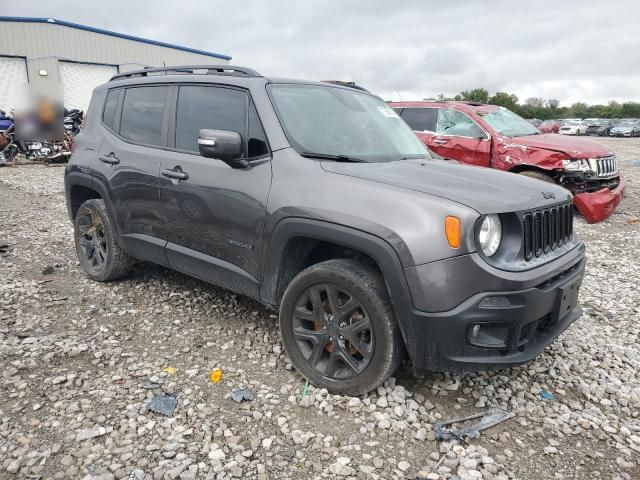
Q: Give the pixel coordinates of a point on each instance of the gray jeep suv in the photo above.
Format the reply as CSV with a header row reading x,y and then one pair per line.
x,y
318,199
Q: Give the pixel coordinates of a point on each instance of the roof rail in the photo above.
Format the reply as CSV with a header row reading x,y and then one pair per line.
x,y
229,70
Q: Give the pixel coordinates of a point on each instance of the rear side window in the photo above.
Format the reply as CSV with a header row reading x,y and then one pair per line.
x,y
453,122
110,105
420,119
143,115
213,108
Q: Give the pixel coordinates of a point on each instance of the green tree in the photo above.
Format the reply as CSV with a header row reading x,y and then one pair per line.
x,y
553,104
579,109
476,95
630,109
537,102
504,99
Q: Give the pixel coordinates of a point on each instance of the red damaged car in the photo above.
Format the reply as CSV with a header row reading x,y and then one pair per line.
x,y
492,136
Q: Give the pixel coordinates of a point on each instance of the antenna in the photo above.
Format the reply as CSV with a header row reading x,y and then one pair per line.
x,y
401,99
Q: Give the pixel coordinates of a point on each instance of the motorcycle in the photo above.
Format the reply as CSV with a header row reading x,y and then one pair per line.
x,y
44,151
73,121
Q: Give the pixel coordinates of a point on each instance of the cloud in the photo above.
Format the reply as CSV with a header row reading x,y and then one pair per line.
x,y
572,50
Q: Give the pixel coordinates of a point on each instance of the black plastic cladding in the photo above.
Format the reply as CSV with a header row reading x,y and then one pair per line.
x,y
546,229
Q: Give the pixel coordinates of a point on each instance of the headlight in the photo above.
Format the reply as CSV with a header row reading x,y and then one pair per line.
x,y
576,165
490,234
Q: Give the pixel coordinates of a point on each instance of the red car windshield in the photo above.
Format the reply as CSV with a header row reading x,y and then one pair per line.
x,y
508,123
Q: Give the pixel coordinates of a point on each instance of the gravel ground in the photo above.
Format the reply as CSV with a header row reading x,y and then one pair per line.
x,y
81,360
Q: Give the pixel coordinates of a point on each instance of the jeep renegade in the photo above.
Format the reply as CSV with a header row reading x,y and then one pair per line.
x,y
317,199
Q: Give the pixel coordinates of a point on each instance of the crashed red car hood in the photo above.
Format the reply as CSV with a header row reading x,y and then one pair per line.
x,y
571,146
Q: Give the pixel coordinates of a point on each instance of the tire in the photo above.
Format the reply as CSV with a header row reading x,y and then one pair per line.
x,y
99,255
308,334
537,175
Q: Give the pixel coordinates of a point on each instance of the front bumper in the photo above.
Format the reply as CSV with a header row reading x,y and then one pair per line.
x,y
515,325
598,206
620,134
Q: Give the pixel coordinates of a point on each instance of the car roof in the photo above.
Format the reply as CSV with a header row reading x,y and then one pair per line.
x,y
218,74
462,105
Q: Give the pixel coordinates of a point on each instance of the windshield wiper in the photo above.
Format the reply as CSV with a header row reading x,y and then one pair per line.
x,y
335,158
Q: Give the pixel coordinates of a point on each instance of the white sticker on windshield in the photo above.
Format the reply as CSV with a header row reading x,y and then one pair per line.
x,y
387,112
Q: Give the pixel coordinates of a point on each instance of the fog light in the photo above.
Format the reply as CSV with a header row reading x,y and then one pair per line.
x,y
489,334
495,302
475,331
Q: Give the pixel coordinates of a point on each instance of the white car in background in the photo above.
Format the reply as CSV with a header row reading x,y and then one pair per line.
x,y
573,127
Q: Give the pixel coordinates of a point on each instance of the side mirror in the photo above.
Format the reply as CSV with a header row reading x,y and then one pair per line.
x,y
222,145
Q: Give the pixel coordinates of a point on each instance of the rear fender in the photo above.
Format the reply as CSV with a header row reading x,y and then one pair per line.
x,y
76,177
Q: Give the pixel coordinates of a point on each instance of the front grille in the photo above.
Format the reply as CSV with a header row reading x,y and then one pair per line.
x,y
605,166
547,229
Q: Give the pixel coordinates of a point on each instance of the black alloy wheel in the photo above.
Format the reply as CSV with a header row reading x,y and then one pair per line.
x,y
91,238
338,326
333,331
99,254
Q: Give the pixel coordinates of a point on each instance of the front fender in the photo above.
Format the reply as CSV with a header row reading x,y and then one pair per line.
x,y
509,155
375,247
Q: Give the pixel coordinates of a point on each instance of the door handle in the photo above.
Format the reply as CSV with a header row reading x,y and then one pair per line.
x,y
175,174
440,141
110,158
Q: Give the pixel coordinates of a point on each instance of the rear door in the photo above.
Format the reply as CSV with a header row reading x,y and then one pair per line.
x,y
129,162
458,137
215,215
422,121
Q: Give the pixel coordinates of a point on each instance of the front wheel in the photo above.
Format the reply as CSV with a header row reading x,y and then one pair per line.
x,y
338,327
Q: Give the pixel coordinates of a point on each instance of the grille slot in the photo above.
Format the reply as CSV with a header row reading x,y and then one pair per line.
x,y
546,229
606,166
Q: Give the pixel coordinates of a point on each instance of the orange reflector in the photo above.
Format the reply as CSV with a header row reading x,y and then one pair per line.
x,y
452,229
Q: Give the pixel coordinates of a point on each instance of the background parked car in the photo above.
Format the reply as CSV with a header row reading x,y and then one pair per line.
x,y
573,127
599,126
626,129
534,121
549,126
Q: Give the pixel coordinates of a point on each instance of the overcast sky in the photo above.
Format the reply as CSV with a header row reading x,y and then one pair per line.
x,y
570,50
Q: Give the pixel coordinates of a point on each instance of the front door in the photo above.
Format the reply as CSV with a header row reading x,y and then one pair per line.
x,y
215,215
458,137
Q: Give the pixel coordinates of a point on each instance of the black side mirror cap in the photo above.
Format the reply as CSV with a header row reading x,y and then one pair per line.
x,y
222,145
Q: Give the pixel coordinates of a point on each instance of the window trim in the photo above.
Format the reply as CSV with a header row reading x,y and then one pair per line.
x,y
488,137
171,133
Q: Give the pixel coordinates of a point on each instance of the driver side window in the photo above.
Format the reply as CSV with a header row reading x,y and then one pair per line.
x,y
453,122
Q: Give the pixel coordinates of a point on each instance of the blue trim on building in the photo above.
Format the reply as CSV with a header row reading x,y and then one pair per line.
x,y
53,21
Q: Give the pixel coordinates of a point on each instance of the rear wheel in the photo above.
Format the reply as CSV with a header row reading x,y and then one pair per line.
x,y
538,175
100,256
338,327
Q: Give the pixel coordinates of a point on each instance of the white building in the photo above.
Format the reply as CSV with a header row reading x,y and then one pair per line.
x,y
50,55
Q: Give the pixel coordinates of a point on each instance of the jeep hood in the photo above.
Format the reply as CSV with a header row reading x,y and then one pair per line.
x,y
570,146
483,189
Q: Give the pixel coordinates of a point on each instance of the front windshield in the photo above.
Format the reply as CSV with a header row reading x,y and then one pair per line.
x,y
508,123
572,123
625,125
343,122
